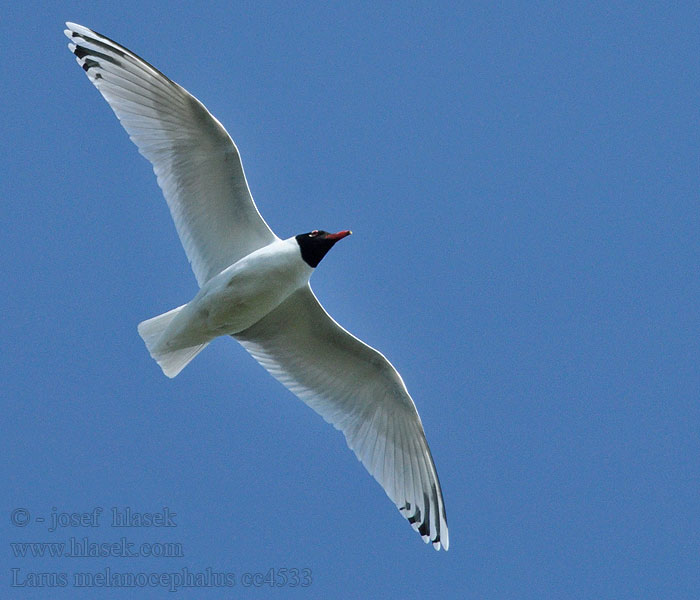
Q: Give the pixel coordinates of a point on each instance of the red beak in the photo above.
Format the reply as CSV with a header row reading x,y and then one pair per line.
x,y
338,236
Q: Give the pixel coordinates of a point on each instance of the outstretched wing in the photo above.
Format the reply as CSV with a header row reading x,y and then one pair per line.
x,y
357,390
195,160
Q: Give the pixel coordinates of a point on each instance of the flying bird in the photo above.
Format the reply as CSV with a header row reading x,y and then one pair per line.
x,y
254,286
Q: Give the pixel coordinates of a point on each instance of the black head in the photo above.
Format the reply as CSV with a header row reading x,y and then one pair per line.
x,y
315,244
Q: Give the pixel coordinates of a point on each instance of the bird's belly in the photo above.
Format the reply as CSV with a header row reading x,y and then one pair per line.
x,y
240,305
228,304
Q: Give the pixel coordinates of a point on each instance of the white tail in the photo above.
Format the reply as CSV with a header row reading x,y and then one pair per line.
x,y
171,361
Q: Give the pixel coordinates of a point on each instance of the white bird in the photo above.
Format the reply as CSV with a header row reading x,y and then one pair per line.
x,y
254,286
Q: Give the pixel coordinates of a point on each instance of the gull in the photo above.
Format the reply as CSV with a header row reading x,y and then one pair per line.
x,y
254,286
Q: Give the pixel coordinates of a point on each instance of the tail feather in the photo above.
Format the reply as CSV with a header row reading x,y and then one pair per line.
x,y
171,361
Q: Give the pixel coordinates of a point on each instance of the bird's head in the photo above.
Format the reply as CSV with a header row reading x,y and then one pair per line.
x,y
315,244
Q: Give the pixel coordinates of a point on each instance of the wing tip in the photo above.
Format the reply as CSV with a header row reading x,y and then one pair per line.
x,y
73,29
439,538
440,541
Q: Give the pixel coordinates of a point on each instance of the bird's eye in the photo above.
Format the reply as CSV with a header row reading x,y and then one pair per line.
x,y
314,233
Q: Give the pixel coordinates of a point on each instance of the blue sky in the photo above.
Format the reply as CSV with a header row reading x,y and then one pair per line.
x,y
522,182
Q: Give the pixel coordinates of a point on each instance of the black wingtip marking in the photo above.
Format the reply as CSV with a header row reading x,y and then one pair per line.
x,y
82,52
424,529
88,63
415,517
